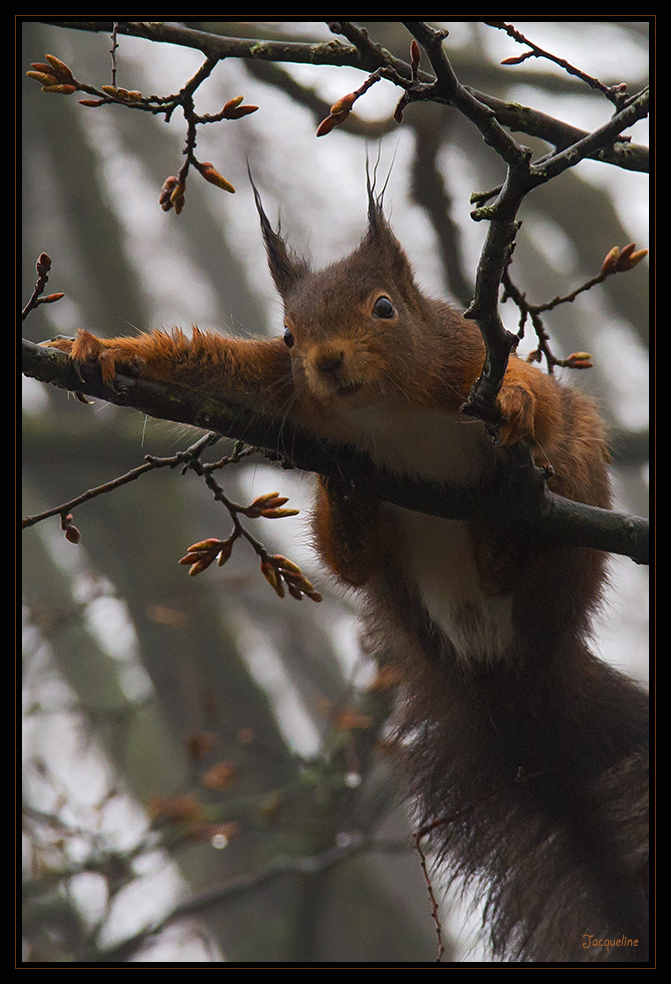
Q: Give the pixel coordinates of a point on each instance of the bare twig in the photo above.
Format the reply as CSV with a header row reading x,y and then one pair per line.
x,y
435,912
113,50
43,265
617,261
55,76
616,93
447,88
152,463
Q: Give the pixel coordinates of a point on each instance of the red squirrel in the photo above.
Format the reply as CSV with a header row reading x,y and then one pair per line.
x,y
527,755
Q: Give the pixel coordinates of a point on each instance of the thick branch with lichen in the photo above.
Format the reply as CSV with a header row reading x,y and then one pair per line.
x,y
516,494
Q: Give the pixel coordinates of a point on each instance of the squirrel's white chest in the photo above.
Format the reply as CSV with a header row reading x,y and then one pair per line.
x,y
440,565
437,554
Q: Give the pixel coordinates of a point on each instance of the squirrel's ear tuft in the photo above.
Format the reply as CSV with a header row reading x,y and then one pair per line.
x,y
375,214
387,251
285,267
376,219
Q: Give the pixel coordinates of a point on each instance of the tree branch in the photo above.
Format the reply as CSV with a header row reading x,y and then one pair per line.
x,y
217,47
518,118
533,122
591,143
516,494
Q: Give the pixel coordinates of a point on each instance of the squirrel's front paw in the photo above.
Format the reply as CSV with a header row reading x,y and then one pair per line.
x,y
517,406
61,342
518,421
108,353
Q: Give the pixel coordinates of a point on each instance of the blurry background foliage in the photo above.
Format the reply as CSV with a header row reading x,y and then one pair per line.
x,y
199,775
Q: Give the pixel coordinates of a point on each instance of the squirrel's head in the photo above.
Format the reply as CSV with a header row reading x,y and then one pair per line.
x,y
353,327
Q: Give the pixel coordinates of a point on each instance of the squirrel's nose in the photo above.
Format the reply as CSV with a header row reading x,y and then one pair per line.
x,y
329,362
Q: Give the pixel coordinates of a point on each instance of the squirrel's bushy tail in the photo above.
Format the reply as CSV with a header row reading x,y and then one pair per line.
x,y
531,778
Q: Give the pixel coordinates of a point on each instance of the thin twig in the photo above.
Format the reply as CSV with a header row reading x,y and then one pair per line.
x,y
617,261
42,266
113,51
615,93
151,464
435,912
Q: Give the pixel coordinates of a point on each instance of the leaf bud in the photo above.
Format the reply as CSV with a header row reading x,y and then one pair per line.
x,y
225,553
335,119
633,259
63,88
272,577
344,104
578,360
285,564
200,565
169,185
60,69
43,264
414,56
177,192
232,104
610,259
326,126
241,111
213,176
43,78
208,544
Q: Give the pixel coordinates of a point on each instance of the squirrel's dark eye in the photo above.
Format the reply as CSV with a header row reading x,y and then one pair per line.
x,y
288,337
383,308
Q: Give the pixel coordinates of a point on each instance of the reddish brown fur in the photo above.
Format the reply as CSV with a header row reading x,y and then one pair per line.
x,y
527,756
